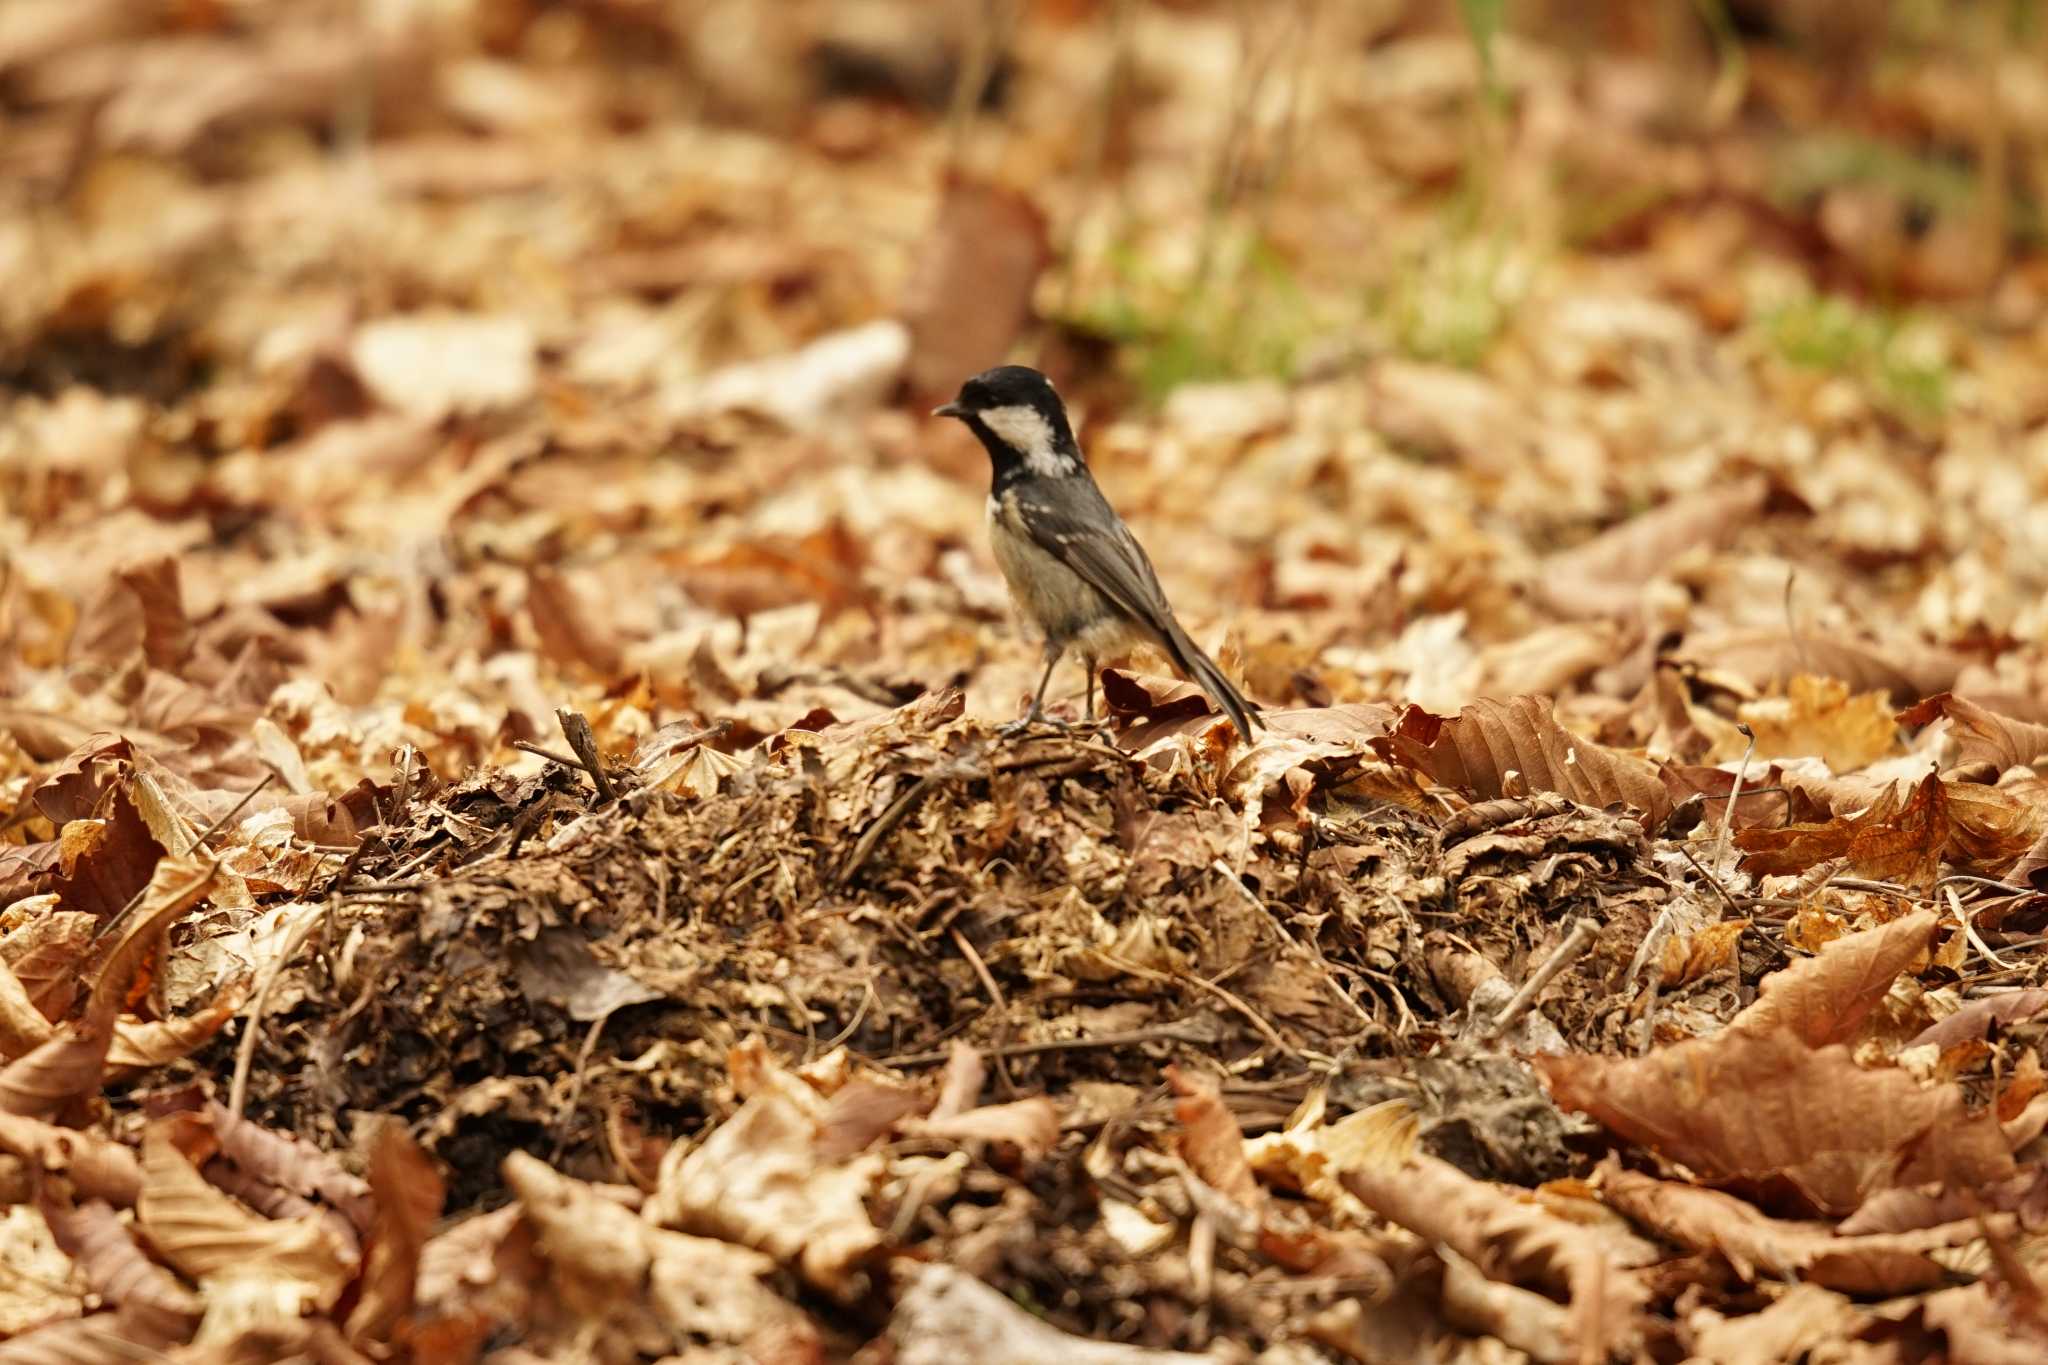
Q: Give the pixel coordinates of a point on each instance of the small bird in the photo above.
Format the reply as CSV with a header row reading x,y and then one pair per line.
x,y
1075,570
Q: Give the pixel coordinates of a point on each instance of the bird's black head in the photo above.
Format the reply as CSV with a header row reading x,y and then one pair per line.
x,y
1020,421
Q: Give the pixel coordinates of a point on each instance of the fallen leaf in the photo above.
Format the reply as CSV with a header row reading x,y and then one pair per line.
x,y
1491,746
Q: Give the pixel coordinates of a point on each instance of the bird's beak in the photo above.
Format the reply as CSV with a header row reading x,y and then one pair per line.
x,y
949,410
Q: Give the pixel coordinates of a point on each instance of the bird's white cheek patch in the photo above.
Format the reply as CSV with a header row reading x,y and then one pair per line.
x,y
1024,429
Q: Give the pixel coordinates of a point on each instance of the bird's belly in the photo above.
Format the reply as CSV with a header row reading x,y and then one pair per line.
x,y
1054,600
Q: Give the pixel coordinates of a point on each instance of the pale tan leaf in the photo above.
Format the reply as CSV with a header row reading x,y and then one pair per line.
x,y
41,1082
258,1264
1819,718
45,954
1606,575
140,1045
758,1180
22,1026
97,1167
1771,659
945,1316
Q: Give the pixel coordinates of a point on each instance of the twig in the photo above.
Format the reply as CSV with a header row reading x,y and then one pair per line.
x,y
527,746
895,814
1576,942
576,729
1712,881
988,983
233,811
1970,931
245,1053
1727,833
1168,1033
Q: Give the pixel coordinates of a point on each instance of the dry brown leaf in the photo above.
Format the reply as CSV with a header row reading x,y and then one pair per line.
x,y
97,1339
407,1191
41,1082
140,1045
1900,838
1689,957
758,1180
150,1297
1606,575
1826,998
22,1026
1977,1018
1801,1321
1210,1140
970,297
291,1163
1510,748
1511,1240
44,955
1763,1107
1981,734
1761,1248
573,629
140,615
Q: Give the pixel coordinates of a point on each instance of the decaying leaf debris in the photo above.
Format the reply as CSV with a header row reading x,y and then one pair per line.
x,y
506,852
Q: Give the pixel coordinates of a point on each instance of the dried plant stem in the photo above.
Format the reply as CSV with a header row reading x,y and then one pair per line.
x,y
245,1053
1576,942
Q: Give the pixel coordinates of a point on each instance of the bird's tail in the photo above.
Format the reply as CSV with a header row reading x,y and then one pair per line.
x,y
1201,670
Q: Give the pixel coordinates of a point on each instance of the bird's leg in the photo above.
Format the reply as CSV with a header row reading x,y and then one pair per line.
x,y
1094,726
1036,715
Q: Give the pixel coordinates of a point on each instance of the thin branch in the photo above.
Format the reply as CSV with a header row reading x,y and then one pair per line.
x,y
1576,942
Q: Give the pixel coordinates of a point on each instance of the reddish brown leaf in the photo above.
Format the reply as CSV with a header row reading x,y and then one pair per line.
x,y
1510,748
1763,1107
971,296
97,1167
1825,998
1900,838
407,1192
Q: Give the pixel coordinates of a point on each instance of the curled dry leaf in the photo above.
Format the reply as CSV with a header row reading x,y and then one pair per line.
x,y
150,1297
1978,1018
272,1271
290,1163
1511,748
66,1067
1981,734
97,1167
758,1180
1761,1248
141,1045
1511,1240
22,1026
97,1339
945,1316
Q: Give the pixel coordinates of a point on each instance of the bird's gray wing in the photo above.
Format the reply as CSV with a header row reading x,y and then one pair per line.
x,y
1071,521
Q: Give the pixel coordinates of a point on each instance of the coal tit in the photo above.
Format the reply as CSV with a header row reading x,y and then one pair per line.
x,y
1074,569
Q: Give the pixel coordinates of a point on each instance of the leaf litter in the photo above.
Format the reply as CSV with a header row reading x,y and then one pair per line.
x,y
505,852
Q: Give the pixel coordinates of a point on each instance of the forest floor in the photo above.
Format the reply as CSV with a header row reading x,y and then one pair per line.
x,y
507,849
